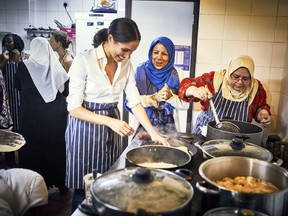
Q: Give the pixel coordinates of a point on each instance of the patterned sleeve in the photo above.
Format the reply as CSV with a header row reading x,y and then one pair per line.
x,y
205,79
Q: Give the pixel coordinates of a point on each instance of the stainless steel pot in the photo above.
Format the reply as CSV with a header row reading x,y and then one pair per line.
x,y
233,211
234,147
233,166
164,157
123,192
249,131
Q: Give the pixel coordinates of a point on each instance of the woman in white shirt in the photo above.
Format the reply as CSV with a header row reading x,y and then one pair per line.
x,y
97,78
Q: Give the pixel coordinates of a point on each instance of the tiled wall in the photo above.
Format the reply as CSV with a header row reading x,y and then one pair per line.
x,y
258,28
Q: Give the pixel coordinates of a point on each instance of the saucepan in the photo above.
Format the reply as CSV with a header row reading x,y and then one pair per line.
x,y
158,156
124,192
234,147
251,132
274,203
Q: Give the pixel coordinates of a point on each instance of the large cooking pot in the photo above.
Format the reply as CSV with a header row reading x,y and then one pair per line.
x,y
248,131
124,192
158,156
234,147
233,166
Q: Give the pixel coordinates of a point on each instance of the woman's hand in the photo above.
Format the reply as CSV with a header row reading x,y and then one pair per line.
x,y
163,95
156,137
120,127
264,117
202,93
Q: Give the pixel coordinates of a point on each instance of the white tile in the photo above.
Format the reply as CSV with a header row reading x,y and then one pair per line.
x,y
264,7
51,16
242,7
3,16
23,16
281,29
284,89
212,7
283,129
278,55
39,5
283,111
236,27
206,68
211,27
263,75
262,28
13,28
77,6
12,16
232,49
11,4
209,51
274,104
3,27
283,8
275,79
2,4
261,52
51,5
23,4
86,5
41,19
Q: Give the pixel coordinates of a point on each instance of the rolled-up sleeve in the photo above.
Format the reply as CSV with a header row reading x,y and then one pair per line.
x,y
77,75
132,93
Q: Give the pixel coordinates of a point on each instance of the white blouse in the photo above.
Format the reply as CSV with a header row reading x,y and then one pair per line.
x,y
89,81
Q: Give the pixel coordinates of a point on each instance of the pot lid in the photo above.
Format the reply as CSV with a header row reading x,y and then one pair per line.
x,y
235,147
154,190
222,211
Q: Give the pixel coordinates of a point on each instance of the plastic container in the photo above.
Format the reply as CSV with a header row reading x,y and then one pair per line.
x,y
71,32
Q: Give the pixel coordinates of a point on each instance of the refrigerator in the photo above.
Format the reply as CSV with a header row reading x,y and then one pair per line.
x,y
87,24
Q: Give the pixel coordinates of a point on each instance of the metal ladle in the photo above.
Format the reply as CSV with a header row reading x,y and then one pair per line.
x,y
224,125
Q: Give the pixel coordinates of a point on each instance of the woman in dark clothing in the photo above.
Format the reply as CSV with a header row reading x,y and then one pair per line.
x,y
12,54
43,86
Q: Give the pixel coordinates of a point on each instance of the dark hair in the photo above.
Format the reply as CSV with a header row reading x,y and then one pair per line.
x,y
62,37
123,30
18,42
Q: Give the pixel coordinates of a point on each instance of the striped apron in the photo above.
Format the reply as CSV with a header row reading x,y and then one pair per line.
x,y
12,94
91,146
226,109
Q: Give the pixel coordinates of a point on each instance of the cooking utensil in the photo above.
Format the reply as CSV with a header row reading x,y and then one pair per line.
x,y
233,166
164,157
59,25
234,147
249,131
223,125
124,191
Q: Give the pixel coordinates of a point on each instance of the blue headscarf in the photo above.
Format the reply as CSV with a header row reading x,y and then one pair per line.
x,y
160,77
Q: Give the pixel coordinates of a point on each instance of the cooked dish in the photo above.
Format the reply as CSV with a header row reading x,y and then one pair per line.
x,y
247,184
158,165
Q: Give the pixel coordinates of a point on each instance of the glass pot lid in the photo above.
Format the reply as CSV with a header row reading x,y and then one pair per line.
x,y
154,190
235,147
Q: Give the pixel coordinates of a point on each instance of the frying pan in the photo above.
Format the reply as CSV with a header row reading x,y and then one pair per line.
x,y
157,154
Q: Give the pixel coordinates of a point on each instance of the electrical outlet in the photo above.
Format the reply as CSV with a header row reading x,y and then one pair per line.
x,y
66,4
